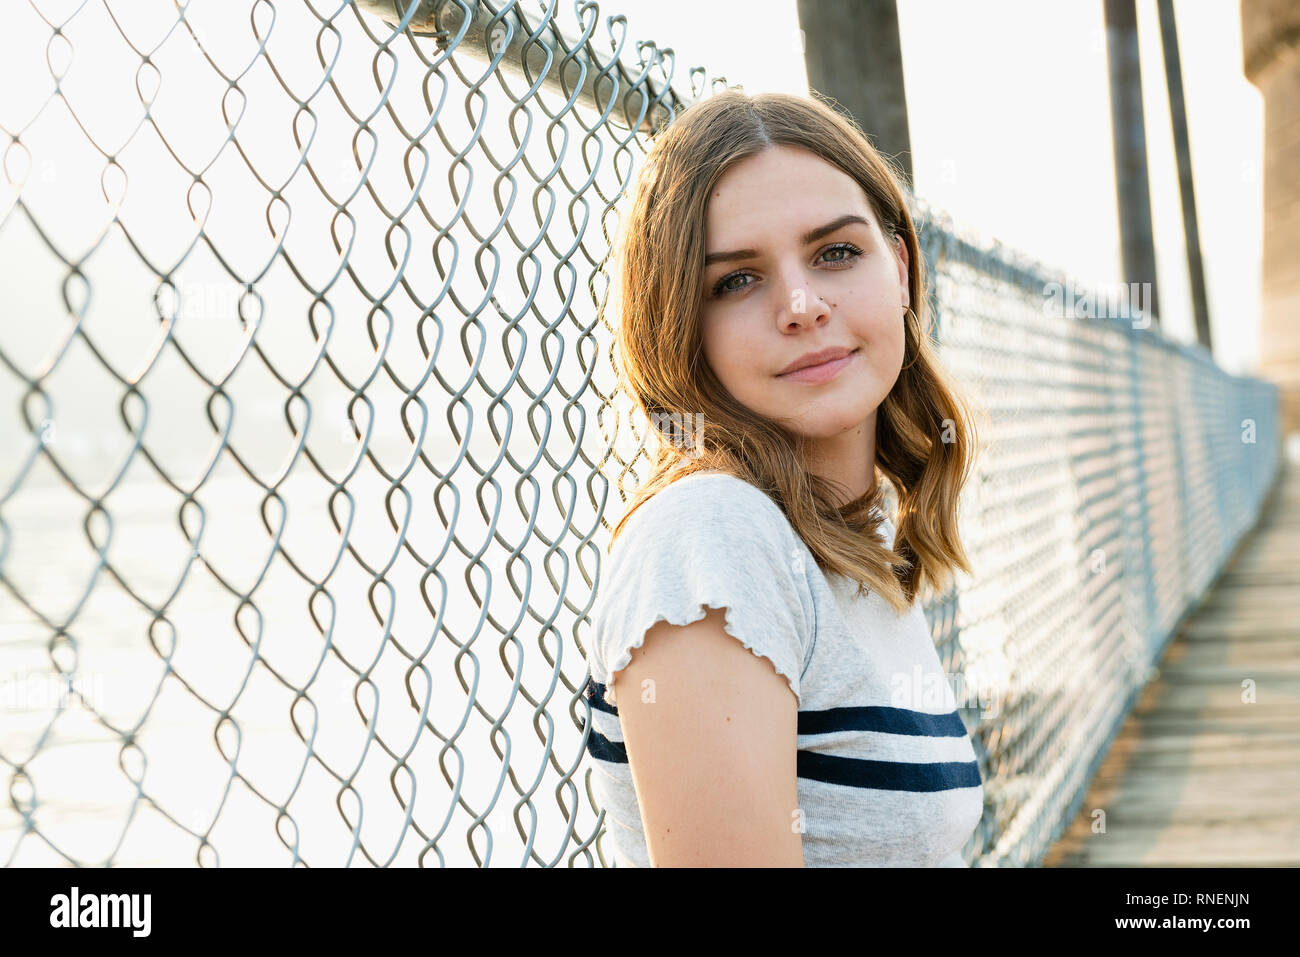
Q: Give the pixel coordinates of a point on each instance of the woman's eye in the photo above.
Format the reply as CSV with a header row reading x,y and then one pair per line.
x,y
723,287
843,248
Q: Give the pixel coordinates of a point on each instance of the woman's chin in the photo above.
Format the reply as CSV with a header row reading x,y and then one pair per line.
x,y
820,428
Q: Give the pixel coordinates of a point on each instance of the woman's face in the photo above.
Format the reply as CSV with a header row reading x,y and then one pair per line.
x,y
777,287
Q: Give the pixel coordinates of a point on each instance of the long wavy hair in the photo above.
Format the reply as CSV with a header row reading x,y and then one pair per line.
x,y
925,434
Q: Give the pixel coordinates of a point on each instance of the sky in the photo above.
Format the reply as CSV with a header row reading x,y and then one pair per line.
x,y
1020,149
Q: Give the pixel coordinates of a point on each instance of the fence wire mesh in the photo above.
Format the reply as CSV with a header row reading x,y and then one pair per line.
x,y
286,581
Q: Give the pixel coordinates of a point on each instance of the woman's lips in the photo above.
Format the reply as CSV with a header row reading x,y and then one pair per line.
x,y
815,375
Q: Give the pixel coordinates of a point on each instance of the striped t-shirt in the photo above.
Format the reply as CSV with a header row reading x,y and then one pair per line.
x,y
887,775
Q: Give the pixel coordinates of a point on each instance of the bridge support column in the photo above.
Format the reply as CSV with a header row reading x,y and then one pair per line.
x,y
1271,61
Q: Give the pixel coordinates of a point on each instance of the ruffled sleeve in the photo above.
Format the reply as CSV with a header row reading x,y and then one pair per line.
x,y
709,540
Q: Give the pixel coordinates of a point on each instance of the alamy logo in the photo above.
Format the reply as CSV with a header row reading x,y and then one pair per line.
x,y
101,910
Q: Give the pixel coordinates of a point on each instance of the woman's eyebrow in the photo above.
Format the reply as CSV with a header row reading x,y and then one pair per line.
x,y
809,237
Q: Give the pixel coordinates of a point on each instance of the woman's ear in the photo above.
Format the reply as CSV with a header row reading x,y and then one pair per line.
x,y
903,263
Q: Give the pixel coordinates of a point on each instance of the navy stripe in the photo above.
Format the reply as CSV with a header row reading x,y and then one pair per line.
x,y
867,718
832,769
887,775
602,748
847,772
881,718
596,697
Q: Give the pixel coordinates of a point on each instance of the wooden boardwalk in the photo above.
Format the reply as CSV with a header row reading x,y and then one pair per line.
x,y
1197,777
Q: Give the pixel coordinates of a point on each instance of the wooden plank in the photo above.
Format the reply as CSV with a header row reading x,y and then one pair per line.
x,y
1211,742
1192,723
1271,809
1236,630
1195,758
1157,777
1217,622
1265,651
1251,588
1144,845
1274,698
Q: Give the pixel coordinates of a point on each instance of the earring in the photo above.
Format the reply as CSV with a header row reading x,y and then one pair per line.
x,y
917,324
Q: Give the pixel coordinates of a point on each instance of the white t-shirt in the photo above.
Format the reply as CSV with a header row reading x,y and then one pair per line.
x,y
887,775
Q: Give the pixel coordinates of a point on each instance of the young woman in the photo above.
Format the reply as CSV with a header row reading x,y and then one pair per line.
x,y
765,690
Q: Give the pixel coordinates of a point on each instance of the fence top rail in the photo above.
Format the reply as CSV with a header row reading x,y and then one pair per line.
x,y
546,53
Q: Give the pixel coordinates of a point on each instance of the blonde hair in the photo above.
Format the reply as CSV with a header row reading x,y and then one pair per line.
x,y
925,436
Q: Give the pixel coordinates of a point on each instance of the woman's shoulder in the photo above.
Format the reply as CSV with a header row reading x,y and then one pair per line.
x,y
707,516
717,500
707,540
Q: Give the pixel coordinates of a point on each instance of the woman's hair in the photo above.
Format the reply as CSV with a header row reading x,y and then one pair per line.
x,y
925,436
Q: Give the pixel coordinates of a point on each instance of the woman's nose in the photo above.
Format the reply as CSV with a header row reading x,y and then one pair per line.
x,y
803,302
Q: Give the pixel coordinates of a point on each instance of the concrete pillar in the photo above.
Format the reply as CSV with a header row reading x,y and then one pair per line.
x,y
1271,60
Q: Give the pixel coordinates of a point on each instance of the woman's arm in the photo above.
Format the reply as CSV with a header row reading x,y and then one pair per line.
x,y
710,730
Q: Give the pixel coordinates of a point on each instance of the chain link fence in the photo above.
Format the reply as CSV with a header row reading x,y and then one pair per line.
x,y
314,442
